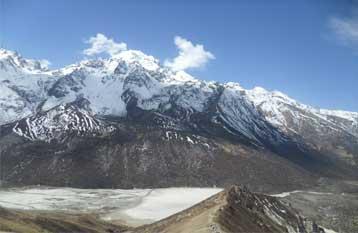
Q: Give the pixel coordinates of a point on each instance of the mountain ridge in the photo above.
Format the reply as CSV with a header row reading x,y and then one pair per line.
x,y
123,110
149,63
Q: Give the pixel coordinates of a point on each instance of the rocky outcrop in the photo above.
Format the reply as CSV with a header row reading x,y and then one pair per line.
x,y
250,212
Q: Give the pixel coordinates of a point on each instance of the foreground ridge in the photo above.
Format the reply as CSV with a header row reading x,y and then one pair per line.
x,y
236,210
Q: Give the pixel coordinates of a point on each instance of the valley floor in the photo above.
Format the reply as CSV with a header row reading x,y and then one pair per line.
x,y
129,207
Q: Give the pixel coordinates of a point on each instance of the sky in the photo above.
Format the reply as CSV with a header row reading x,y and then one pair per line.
x,y
306,49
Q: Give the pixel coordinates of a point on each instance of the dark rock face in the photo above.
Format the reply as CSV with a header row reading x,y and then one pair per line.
x,y
64,86
317,229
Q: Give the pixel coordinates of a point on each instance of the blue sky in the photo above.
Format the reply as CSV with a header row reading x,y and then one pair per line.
x,y
306,49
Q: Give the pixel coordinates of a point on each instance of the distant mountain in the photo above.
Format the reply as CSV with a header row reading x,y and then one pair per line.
x,y
127,122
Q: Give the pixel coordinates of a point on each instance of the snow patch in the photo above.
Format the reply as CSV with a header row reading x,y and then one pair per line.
x,y
110,204
161,203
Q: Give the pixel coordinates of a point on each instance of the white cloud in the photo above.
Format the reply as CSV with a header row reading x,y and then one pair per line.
x,y
190,56
45,63
346,30
101,44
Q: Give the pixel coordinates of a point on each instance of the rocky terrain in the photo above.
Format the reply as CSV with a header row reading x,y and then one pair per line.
x,y
332,204
35,222
128,122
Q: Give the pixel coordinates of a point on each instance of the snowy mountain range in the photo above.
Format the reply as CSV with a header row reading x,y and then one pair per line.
x,y
100,98
28,88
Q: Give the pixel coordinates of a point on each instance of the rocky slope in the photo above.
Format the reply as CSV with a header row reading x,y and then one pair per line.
x,y
129,122
35,222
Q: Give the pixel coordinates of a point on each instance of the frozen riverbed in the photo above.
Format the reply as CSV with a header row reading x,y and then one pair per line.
x,y
286,194
137,205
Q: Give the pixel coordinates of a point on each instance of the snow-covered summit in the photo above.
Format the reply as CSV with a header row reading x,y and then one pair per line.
x,y
290,115
136,56
13,62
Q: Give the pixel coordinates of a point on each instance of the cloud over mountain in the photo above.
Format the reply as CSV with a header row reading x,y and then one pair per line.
x,y
101,44
190,55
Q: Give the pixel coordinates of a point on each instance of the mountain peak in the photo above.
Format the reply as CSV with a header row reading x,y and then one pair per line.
x,y
234,85
146,61
12,60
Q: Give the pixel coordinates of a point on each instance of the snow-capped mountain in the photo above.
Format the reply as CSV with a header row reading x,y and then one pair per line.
x,y
59,123
41,105
278,108
24,84
27,87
